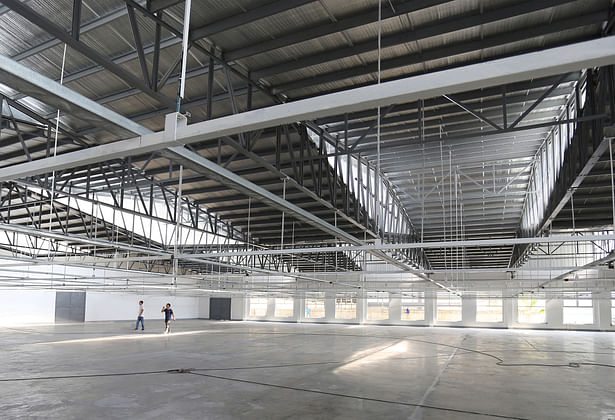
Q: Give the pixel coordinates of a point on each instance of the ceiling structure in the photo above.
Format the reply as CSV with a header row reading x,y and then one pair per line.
x,y
461,166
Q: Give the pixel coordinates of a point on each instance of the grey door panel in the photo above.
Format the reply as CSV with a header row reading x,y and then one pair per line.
x,y
70,307
220,308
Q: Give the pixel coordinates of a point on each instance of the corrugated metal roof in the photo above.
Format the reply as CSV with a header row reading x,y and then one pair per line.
x,y
424,40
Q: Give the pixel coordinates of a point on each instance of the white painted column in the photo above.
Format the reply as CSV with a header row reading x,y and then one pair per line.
x,y
299,306
555,317
394,310
270,308
361,309
430,307
602,310
204,307
509,311
329,306
238,308
468,310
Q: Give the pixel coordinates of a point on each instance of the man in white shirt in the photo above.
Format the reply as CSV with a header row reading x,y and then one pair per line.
x,y
140,317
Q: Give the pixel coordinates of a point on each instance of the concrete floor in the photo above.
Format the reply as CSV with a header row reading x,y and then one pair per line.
x,y
272,371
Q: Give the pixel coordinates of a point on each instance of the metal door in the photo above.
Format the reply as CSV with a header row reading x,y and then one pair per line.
x,y
220,308
70,306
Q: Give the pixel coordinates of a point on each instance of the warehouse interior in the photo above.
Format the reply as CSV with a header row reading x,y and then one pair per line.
x,y
363,208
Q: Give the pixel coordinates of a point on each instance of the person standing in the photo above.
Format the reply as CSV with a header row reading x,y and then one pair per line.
x,y
168,315
140,317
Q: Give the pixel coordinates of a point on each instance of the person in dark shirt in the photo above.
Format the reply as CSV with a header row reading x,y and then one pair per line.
x,y
168,315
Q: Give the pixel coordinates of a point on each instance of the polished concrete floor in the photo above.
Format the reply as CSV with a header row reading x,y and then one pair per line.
x,y
294,371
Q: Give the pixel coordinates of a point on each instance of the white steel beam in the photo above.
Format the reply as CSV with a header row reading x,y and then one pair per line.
x,y
213,171
15,74
415,245
41,233
569,58
601,261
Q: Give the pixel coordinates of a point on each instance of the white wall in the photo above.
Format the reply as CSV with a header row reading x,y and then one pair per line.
x,y
237,308
600,283
204,307
38,306
27,307
34,306
554,317
100,306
